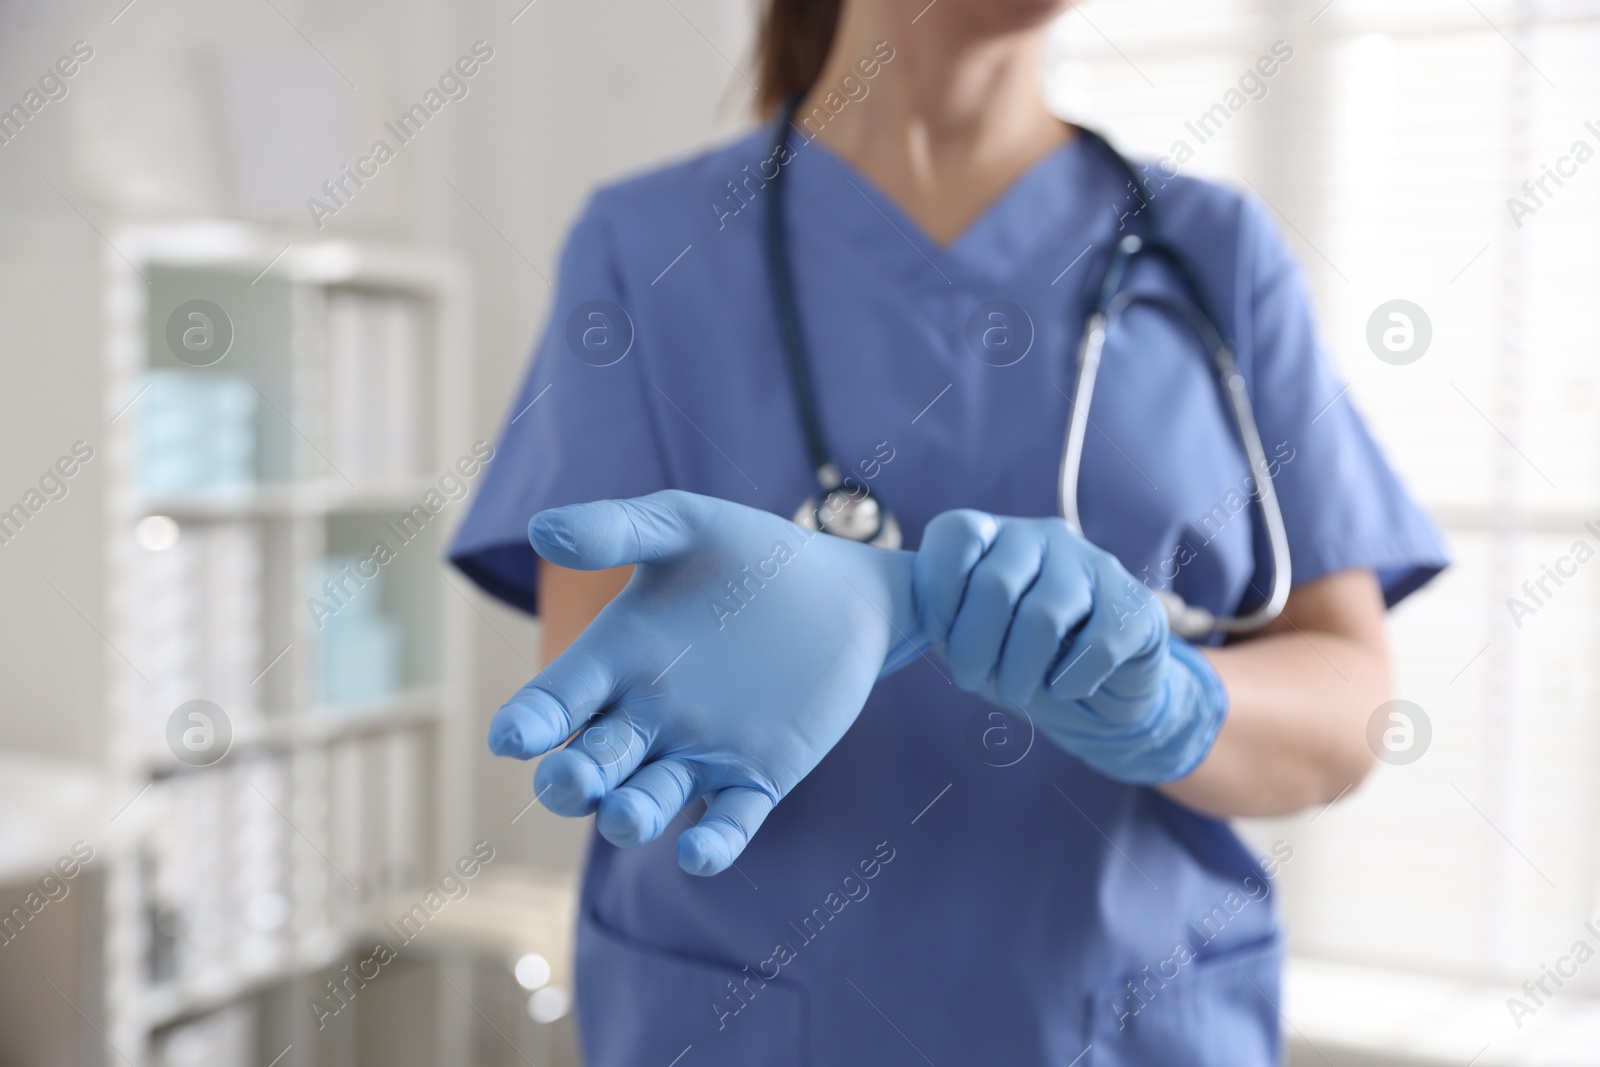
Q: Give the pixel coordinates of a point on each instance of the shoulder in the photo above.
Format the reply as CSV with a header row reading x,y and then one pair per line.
x,y
1238,259
1197,211
638,225
680,194
1223,227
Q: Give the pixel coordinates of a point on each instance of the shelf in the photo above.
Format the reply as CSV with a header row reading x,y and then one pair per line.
x,y
45,804
321,725
506,914
227,246
386,779
167,1004
311,497
330,723
509,911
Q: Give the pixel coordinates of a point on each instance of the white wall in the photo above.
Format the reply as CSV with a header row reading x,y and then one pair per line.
x,y
241,110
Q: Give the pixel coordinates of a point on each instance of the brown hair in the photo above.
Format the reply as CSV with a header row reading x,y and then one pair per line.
x,y
792,47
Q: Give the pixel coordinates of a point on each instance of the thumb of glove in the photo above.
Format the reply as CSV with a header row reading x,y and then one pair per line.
x,y
613,533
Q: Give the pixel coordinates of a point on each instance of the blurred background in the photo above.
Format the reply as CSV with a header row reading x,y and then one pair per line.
x,y
246,812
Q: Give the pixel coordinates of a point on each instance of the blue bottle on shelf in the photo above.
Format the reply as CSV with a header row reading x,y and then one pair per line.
x,y
361,646
196,430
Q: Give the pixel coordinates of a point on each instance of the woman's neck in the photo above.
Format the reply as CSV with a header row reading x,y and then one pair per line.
x,y
949,121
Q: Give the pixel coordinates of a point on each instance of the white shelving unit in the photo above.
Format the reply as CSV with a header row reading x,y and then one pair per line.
x,y
246,878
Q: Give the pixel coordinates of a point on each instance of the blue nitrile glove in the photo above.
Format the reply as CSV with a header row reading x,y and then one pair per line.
x,y
738,654
1030,614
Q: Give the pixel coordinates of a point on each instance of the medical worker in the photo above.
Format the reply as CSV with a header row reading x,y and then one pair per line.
x,y
964,800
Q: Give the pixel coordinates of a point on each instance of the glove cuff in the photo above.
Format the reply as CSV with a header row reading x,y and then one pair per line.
x,y
1173,738
1200,703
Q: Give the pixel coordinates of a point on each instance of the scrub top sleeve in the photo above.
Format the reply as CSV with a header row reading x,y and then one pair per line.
x,y
578,430
1343,504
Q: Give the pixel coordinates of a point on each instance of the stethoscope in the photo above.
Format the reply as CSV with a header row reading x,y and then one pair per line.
x,y
847,507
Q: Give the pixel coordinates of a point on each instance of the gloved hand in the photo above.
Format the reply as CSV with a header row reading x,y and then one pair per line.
x,y
737,655
1032,615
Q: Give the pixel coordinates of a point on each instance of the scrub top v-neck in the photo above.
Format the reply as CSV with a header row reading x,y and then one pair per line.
x,y
945,884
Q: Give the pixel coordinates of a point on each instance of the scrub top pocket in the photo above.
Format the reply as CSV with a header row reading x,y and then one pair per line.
x,y
1217,1011
640,1004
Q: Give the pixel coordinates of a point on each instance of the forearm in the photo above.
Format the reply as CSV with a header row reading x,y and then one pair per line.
x,y
569,600
1299,701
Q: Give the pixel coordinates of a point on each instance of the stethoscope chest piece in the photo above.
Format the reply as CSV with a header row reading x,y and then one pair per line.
x,y
858,516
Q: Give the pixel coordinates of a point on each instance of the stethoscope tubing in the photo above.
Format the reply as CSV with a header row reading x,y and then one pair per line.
x,y
1111,300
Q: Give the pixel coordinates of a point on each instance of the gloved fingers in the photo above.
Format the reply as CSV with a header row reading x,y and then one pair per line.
x,y
639,810
1055,607
1125,623
731,819
546,711
952,544
611,533
573,781
994,590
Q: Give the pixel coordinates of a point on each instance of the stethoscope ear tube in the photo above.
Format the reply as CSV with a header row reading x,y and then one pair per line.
x,y
1266,498
837,509
1185,620
1090,348
791,333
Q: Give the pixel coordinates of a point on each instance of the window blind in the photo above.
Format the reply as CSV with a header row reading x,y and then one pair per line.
x,y
1387,148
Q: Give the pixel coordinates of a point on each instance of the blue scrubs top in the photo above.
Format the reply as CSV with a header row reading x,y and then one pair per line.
x,y
944,887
